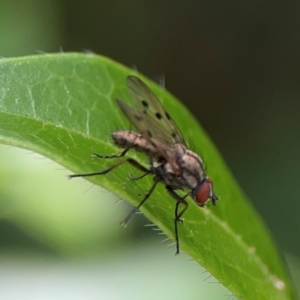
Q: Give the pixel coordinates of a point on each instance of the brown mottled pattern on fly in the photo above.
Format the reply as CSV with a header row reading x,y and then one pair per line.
x,y
170,162
128,139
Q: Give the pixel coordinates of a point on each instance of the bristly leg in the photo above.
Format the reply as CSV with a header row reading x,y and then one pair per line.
x,y
113,155
136,209
139,177
130,160
178,215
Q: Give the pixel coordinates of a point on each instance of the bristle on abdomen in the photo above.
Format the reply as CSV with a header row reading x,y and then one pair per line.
x,y
129,139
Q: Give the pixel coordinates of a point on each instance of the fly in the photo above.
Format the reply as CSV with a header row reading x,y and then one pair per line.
x,y
170,161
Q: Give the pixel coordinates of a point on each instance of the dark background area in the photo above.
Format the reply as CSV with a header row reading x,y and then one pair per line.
x,y
234,64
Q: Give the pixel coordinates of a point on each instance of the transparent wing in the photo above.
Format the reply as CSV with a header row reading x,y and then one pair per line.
x,y
143,123
148,115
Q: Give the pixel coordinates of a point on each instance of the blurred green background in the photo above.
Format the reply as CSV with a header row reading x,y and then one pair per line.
x,y
235,64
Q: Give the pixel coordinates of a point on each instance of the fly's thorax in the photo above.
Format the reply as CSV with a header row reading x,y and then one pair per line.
x,y
129,139
183,169
170,178
192,169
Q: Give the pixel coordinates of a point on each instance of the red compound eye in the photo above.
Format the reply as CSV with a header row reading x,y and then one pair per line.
x,y
204,192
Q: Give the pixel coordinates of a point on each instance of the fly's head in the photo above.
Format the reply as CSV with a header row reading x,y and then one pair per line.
x,y
203,192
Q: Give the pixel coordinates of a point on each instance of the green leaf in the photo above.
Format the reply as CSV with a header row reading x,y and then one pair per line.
x,y
63,106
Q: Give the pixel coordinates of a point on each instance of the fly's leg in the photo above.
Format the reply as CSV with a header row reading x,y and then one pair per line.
x,y
129,160
178,214
139,177
113,155
136,209
150,171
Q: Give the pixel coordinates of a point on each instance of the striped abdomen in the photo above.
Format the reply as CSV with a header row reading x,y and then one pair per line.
x,y
129,139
